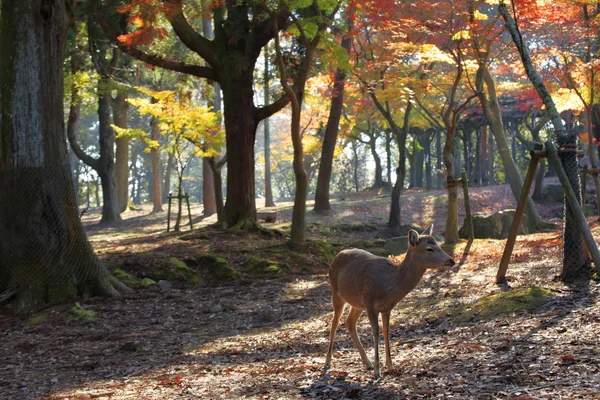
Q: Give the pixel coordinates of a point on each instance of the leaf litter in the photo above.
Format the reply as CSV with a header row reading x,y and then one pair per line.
x,y
268,336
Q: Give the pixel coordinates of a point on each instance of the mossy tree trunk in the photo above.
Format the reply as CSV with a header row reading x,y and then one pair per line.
x,y
44,250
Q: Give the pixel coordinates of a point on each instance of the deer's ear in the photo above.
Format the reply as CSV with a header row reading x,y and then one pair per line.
x,y
413,238
428,231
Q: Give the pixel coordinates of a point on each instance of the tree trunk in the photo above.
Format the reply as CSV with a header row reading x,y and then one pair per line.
x,y
484,167
167,177
119,109
438,159
394,219
240,125
388,155
428,169
331,133
267,133
44,250
378,167
208,189
156,169
451,234
106,164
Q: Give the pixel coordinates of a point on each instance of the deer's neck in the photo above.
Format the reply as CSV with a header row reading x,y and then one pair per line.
x,y
409,274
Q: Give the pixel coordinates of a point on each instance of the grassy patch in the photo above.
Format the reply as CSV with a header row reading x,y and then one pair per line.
x,y
506,303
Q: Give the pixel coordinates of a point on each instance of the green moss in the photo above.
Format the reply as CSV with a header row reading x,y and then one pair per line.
x,y
259,265
147,282
126,278
38,319
513,301
178,266
78,313
218,268
323,249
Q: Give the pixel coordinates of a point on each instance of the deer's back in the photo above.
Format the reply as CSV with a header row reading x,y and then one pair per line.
x,y
357,275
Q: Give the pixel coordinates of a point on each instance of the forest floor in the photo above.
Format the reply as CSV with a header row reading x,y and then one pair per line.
x,y
252,320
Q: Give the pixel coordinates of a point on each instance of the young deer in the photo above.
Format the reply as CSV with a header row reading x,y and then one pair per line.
x,y
376,284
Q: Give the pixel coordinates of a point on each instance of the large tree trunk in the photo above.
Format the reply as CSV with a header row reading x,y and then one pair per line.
x,y
331,133
119,109
44,250
240,125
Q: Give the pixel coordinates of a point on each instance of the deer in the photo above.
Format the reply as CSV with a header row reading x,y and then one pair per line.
x,y
376,284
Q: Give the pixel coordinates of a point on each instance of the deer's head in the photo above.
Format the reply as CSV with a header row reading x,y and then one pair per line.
x,y
426,251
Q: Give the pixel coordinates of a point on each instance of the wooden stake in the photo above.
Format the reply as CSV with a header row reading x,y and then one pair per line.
x,y
471,231
514,229
187,199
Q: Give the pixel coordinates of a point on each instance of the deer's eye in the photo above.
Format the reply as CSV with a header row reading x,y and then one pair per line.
x,y
430,249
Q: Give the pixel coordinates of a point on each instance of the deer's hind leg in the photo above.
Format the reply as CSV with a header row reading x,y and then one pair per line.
x,y
338,307
385,319
351,319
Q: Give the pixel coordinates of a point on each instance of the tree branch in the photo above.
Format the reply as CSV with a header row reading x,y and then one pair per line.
x,y
189,37
190,69
267,111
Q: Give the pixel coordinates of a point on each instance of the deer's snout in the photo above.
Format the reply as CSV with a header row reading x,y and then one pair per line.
x,y
450,262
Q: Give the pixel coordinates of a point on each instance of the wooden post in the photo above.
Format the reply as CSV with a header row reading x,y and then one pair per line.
x,y
465,184
577,211
169,213
187,199
514,229
584,175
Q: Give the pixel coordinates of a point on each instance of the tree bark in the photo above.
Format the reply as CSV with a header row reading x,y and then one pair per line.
x,y
119,109
240,206
156,169
394,219
44,250
267,133
330,139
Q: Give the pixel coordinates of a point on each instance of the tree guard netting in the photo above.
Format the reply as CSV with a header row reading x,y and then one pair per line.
x,y
42,240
